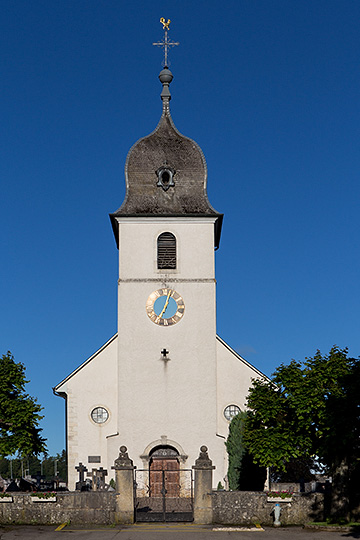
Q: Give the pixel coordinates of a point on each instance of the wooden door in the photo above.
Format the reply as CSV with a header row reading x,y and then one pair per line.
x,y
164,475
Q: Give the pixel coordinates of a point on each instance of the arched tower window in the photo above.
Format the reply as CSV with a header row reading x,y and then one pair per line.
x,y
166,251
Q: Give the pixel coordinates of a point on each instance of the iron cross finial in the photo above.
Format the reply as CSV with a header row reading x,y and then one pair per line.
x,y
166,43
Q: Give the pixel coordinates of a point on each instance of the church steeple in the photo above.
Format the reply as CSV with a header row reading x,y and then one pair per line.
x,y
165,75
166,172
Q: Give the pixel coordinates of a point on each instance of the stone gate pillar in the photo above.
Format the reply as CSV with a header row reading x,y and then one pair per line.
x,y
203,488
124,477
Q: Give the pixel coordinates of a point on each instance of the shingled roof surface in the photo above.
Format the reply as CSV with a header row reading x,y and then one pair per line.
x,y
165,147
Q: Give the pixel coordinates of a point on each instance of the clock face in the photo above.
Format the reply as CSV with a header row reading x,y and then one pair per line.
x,y
165,307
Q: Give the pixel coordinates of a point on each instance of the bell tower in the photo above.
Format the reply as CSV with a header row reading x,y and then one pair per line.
x,y
166,231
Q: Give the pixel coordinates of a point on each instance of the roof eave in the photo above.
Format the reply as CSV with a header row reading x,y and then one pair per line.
x,y
56,388
239,357
217,224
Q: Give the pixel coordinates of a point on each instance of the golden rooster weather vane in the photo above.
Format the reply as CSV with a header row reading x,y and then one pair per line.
x,y
164,23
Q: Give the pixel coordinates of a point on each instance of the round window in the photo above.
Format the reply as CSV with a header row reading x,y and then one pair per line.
x,y
99,415
230,411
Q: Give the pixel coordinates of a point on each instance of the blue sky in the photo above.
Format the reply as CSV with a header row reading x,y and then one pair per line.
x,y
269,90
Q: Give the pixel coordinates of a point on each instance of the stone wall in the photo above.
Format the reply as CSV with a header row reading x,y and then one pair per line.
x,y
295,487
229,508
85,507
248,507
286,486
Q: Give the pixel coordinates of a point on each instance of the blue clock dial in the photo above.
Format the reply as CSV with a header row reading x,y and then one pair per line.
x,y
165,307
168,307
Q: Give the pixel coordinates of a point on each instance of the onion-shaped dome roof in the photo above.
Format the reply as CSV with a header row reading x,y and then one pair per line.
x,y
166,172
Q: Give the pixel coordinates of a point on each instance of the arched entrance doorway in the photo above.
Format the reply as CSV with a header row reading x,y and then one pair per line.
x,y
164,472
164,491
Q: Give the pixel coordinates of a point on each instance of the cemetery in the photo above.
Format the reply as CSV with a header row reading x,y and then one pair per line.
x,y
95,502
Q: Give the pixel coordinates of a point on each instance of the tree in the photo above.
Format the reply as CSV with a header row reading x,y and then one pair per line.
x,y
19,412
235,449
243,473
308,409
297,470
34,466
57,462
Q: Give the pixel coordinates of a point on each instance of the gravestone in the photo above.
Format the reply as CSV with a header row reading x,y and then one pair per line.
x,y
98,478
81,485
12,487
39,478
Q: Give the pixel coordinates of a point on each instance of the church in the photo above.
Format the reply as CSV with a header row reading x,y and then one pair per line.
x,y
165,383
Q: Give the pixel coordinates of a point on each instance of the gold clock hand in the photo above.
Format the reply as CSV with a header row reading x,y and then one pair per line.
x,y
166,304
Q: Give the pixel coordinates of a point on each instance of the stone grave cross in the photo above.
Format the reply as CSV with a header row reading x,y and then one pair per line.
x,y
98,478
101,473
81,469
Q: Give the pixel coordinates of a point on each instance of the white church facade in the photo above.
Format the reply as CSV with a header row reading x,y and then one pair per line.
x,y
165,384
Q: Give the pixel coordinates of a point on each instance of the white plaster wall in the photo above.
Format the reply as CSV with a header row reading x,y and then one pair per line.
x,y
177,398
137,247
234,377
93,385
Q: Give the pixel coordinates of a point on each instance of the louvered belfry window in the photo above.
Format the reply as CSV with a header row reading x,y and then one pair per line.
x,y
166,251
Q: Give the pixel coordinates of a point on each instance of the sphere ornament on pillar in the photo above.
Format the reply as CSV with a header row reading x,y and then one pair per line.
x,y
123,461
203,461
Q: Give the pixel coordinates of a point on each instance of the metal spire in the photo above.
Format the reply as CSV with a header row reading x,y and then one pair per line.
x,y
165,43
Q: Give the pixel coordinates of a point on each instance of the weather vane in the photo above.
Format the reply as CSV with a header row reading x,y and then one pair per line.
x,y
165,43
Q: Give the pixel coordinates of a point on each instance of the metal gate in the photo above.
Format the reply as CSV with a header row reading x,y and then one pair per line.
x,y
163,494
